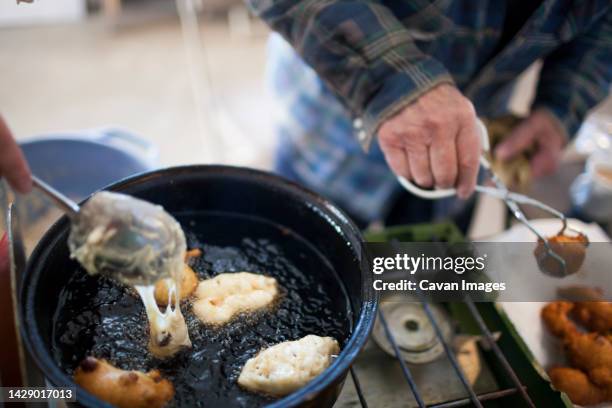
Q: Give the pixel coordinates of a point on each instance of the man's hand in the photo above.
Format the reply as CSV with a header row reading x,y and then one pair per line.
x,y
540,131
13,165
434,141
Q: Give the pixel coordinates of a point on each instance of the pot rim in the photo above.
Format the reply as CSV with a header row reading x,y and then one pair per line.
x,y
361,330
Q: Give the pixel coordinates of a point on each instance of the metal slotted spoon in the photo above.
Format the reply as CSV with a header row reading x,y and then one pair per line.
x,y
512,201
131,240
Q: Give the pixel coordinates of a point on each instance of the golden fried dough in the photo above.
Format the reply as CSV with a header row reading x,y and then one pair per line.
x,y
588,351
577,386
572,249
595,316
124,389
589,380
219,299
286,367
192,253
555,316
189,282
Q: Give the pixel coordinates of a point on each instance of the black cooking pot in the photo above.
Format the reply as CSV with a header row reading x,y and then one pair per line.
x,y
193,189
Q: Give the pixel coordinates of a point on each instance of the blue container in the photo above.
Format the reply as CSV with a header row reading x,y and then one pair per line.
x,y
78,164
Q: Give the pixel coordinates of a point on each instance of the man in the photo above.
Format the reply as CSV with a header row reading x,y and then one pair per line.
x,y
406,79
411,75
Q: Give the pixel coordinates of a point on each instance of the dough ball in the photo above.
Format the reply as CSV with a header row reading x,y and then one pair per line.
x,y
219,299
572,249
192,253
286,367
124,389
189,281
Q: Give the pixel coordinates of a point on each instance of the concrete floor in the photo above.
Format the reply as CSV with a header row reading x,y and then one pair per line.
x,y
88,75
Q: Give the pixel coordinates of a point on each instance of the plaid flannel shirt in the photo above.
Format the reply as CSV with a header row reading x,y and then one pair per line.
x,y
369,59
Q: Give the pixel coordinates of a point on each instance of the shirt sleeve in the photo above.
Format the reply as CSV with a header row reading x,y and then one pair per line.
x,y
361,51
577,75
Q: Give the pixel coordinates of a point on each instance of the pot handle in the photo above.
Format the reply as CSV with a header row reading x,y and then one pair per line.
x,y
24,371
448,192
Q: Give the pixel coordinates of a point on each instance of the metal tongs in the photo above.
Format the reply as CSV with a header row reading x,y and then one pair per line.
x,y
511,199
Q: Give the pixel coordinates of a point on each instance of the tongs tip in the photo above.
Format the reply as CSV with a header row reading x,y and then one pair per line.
x,y
561,255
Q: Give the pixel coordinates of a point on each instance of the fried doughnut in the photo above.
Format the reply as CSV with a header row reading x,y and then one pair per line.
x,y
589,351
595,316
221,298
589,379
286,367
586,351
555,317
189,282
192,253
577,385
572,249
124,389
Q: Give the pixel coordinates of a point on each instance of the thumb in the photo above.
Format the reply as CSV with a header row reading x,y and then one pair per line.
x,y
13,164
4,254
521,138
545,161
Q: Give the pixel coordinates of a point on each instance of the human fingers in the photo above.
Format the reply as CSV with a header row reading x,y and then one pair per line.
x,y
13,165
520,139
468,148
396,159
420,167
391,144
545,161
443,156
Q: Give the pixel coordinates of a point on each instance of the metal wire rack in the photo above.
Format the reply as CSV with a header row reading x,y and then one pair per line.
x,y
473,398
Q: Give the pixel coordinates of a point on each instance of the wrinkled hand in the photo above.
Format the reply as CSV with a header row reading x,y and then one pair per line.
x,y
13,165
539,131
434,141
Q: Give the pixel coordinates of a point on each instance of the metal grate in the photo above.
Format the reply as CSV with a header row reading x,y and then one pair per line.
x,y
473,398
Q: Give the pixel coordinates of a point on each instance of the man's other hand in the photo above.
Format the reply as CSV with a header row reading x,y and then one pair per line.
x,y
539,131
434,141
13,165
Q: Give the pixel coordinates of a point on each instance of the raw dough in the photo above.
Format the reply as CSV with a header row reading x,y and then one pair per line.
x,y
167,330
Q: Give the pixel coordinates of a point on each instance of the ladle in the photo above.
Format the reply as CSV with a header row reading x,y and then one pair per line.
x,y
131,240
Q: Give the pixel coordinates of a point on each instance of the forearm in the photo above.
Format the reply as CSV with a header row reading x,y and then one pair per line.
x,y
363,53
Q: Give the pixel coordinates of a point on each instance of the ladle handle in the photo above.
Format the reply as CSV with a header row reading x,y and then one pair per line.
x,y
61,201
